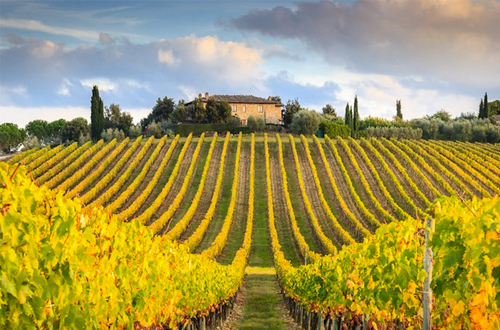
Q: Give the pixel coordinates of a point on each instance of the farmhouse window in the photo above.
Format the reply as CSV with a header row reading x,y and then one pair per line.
x,y
233,107
261,109
244,108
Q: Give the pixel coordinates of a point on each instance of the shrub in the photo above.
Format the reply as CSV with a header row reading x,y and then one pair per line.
x,y
256,124
333,129
305,122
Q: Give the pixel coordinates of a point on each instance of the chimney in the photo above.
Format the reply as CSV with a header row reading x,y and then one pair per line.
x,y
270,98
199,95
206,95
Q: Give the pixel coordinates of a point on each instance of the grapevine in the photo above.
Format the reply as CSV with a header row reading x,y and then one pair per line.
x,y
221,239
181,225
299,238
98,170
327,244
148,213
387,216
357,226
197,236
53,160
139,178
112,173
63,164
74,165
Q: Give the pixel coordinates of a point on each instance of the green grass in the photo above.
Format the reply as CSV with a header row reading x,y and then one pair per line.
x,y
239,222
222,206
261,301
285,235
260,252
194,184
295,197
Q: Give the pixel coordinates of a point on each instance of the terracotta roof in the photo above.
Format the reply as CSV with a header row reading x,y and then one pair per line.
x,y
249,99
242,99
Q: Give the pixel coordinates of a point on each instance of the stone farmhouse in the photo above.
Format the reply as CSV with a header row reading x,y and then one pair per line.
x,y
244,106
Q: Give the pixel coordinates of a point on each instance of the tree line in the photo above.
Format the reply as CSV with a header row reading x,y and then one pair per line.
x,y
110,122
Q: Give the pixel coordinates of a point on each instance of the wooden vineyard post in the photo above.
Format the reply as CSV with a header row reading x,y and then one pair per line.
x,y
428,263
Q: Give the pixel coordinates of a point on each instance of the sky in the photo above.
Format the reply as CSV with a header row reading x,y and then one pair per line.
x,y
430,54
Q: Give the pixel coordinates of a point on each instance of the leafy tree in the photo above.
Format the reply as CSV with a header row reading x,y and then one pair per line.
x,y
217,111
55,130
224,111
441,114
305,122
494,107
74,129
212,111
135,131
197,111
467,115
96,115
162,111
112,133
180,113
38,128
276,99
256,123
155,129
291,108
117,119
376,122
329,110
399,113
11,136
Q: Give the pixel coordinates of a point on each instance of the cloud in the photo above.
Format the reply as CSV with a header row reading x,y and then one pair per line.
x,y
105,39
166,56
313,96
208,56
132,75
377,95
104,84
35,25
23,115
452,41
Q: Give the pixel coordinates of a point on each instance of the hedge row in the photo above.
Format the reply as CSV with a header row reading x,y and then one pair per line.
x,y
198,129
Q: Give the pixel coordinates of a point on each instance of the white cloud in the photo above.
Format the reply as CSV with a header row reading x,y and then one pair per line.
x,y
23,115
166,56
104,84
34,25
63,90
377,97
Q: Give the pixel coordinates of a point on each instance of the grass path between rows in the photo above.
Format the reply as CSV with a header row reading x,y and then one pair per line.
x,y
259,304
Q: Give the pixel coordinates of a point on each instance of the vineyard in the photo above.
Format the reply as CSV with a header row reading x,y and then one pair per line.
x,y
340,220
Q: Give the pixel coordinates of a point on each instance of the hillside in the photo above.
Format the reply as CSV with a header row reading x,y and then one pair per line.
x,y
323,194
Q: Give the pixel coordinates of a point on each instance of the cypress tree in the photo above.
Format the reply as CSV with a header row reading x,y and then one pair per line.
x,y
486,108
351,120
348,115
96,115
481,110
399,113
355,116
